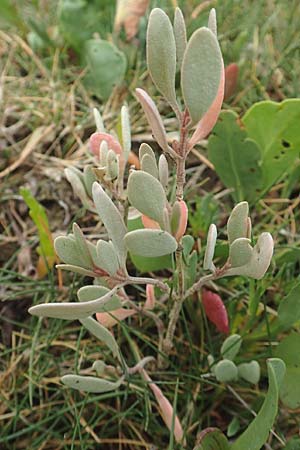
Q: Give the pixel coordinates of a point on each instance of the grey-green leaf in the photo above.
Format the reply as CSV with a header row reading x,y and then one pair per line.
x,y
289,308
256,435
180,36
111,219
250,371
201,72
240,252
94,292
231,346
161,54
68,251
90,384
149,165
237,225
107,257
226,371
150,243
147,195
210,248
103,334
82,246
76,269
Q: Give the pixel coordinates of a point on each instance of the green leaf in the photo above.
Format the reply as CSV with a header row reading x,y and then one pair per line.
x,y
147,195
249,371
180,36
150,243
201,72
231,346
161,54
149,165
226,371
289,308
210,248
233,427
82,246
106,67
76,269
93,292
126,131
238,222
111,219
275,128
107,257
68,251
90,384
288,351
212,439
72,311
146,264
255,436
103,334
240,252
236,158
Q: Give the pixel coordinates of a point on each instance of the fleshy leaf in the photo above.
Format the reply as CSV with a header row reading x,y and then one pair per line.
x,y
212,21
179,219
201,72
107,257
163,170
215,310
67,249
76,269
237,225
96,140
161,54
210,248
289,308
126,133
72,311
111,319
240,252
94,292
90,384
149,165
103,334
250,371
180,36
150,243
255,436
111,219
231,346
226,371
75,179
147,195
82,246
153,117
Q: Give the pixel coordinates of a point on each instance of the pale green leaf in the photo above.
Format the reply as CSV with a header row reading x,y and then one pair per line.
x,y
107,258
93,292
201,72
147,195
180,36
240,252
226,371
82,246
103,334
149,165
238,224
249,371
289,308
161,54
76,269
210,248
68,251
90,384
163,170
256,435
231,346
126,132
211,439
150,243
212,21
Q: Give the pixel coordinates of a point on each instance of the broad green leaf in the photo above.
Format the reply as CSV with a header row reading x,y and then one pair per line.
x,y
231,346
233,427
201,72
238,222
107,257
293,444
72,311
288,351
236,158
149,165
161,54
111,219
103,334
210,248
150,243
68,251
256,435
146,264
147,195
226,371
275,128
180,36
240,252
93,292
289,308
249,371
212,439
106,67
90,384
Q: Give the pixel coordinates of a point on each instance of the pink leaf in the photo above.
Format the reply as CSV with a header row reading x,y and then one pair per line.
x,y
97,138
208,121
182,220
231,79
215,310
108,320
150,297
165,407
149,223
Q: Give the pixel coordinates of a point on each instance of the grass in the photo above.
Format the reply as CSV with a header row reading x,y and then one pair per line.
x,y
44,88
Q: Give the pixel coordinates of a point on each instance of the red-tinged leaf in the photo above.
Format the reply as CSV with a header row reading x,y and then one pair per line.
x,y
149,223
150,297
231,80
215,310
182,220
210,118
97,138
108,320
